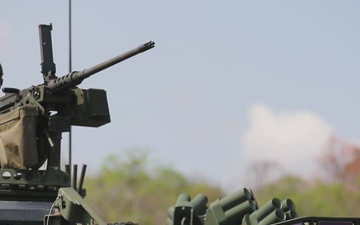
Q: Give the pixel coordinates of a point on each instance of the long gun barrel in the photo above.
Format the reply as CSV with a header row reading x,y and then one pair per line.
x,y
75,78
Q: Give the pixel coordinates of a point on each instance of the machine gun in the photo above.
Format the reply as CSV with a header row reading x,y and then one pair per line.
x,y
32,121
51,108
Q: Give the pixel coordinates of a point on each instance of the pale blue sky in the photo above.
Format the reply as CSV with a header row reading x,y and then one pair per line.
x,y
216,66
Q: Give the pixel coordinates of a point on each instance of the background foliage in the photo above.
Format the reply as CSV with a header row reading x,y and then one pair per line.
x,y
131,187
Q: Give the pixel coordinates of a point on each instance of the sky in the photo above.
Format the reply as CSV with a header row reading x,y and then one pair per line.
x,y
228,83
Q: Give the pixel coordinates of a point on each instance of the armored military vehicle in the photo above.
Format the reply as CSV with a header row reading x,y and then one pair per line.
x,y
32,121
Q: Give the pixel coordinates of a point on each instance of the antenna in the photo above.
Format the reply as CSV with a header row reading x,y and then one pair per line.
x,y
70,70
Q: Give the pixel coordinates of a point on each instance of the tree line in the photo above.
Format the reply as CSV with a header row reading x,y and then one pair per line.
x,y
131,188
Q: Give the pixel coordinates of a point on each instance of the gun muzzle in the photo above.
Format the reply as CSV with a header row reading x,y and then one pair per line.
x,y
1,76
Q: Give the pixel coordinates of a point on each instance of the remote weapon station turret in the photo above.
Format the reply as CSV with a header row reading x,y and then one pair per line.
x,y
32,121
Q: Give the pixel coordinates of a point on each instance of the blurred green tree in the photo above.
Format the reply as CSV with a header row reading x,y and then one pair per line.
x,y
131,187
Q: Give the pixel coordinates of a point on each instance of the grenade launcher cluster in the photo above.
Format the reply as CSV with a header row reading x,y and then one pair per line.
x,y
239,208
